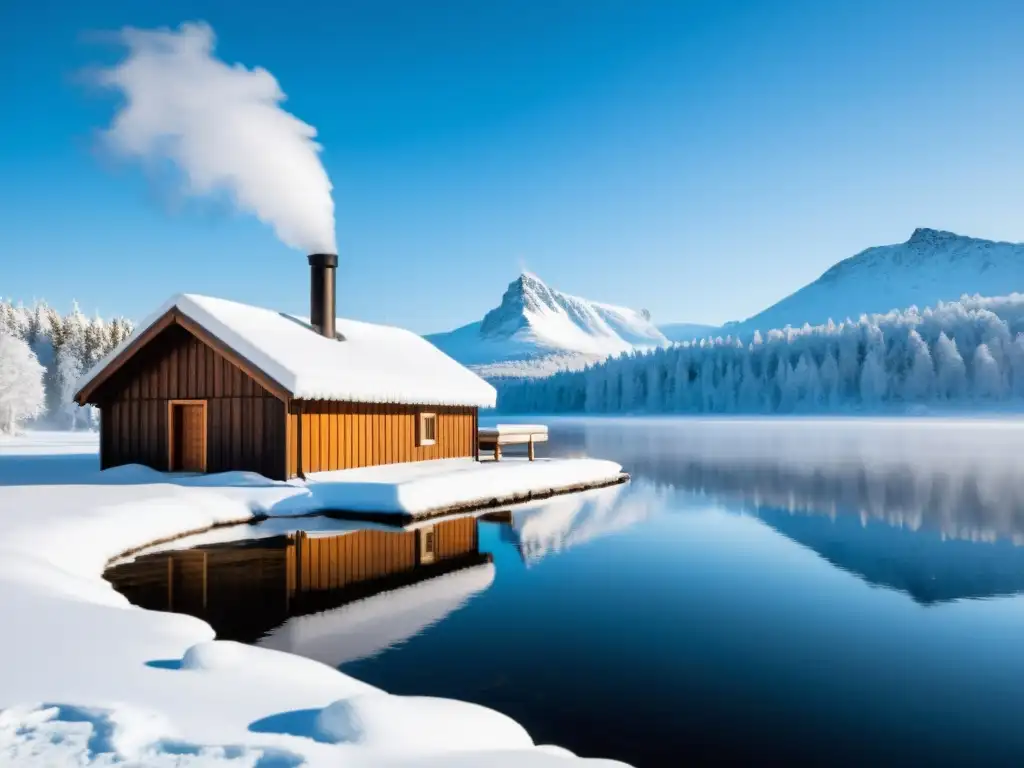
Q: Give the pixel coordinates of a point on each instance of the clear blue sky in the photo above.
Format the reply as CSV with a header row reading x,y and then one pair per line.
x,y
699,159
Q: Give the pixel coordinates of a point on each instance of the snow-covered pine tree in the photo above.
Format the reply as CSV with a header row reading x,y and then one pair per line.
x,y
68,372
988,382
21,383
876,361
951,373
94,342
919,384
38,326
1016,356
654,375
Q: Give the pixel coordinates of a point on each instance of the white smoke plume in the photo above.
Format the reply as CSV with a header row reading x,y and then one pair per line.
x,y
225,129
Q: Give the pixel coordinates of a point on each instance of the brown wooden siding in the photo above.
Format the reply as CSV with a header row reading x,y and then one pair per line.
x,y
245,422
332,562
455,537
246,591
335,435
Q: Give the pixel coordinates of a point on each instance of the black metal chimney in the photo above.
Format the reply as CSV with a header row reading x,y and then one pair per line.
x,y
322,267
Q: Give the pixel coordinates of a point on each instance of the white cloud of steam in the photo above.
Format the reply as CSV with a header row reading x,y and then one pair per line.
x,y
224,127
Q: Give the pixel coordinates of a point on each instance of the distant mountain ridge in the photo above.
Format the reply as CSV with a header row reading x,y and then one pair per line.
x,y
932,266
537,329
688,331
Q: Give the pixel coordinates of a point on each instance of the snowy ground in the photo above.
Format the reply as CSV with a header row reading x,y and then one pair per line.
x,y
86,678
425,487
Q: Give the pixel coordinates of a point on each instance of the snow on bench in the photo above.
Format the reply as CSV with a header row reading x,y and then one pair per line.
x,y
492,438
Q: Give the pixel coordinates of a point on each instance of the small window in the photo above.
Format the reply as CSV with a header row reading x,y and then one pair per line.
x,y
428,429
426,539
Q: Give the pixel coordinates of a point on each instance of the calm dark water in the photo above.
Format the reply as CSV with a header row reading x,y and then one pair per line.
x,y
806,592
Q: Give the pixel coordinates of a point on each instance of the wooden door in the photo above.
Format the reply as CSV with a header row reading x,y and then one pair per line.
x,y
188,437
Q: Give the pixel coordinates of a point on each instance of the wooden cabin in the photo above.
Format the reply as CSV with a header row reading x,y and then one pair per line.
x,y
210,385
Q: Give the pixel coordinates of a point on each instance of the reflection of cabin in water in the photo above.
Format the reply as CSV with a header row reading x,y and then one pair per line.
x,y
244,590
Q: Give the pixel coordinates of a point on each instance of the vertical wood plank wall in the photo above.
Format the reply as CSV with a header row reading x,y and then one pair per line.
x,y
245,423
455,537
331,562
334,435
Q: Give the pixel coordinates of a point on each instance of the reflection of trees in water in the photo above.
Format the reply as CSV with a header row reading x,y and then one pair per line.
x,y
920,563
897,503
963,484
960,506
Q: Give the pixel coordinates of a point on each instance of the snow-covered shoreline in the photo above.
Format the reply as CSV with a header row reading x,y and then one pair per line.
x,y
429,488
88,678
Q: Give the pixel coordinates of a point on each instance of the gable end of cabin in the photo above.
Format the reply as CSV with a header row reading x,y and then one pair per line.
x,y
178,400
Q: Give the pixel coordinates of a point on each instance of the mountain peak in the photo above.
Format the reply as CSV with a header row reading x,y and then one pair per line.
x,y
534,320
930,238
528,277
933,265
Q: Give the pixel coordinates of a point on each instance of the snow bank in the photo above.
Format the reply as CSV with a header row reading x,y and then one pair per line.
x,y
427,487
418,724
88,678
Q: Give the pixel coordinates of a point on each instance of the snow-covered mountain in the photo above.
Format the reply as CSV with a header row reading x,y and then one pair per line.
x,y
931,266
537,330
688,331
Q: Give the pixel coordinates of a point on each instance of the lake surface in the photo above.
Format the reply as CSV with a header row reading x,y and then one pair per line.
x,y
807,591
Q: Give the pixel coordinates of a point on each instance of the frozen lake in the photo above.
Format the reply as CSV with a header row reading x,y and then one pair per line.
x,y
837,591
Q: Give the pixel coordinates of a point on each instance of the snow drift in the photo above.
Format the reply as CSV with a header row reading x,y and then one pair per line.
x,y
967,354
87,678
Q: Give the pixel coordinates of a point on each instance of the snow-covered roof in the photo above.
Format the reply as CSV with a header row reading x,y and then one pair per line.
x,y
371,364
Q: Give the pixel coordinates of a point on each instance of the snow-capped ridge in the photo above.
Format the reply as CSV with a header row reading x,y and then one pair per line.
x,y
932,265
535,323
926,236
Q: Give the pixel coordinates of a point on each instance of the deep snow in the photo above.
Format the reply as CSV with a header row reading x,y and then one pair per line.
x,y
85,677
425,487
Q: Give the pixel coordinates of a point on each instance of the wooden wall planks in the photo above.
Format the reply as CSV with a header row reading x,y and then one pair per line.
x,y
334,435
245,423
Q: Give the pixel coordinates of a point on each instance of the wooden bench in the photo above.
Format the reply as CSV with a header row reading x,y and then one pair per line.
x,y
493,438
